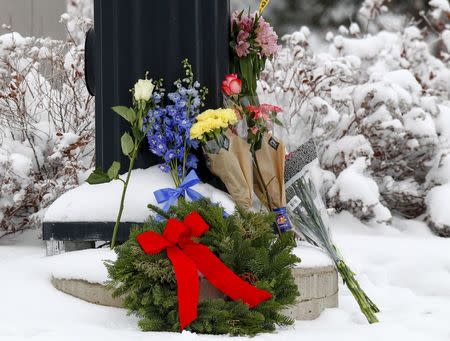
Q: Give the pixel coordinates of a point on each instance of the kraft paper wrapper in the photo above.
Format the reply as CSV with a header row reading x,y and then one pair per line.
x,y
234,168
271,163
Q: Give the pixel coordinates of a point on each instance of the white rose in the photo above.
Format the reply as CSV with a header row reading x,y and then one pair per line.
x,y
143,90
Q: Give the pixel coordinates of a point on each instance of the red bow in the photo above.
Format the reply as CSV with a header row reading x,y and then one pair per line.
x,y
188,258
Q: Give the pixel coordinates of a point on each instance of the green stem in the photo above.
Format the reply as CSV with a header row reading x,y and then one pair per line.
x,y
124,191
368,308
184,159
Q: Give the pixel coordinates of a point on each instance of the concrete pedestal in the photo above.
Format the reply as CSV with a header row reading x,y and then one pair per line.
x,y
318,288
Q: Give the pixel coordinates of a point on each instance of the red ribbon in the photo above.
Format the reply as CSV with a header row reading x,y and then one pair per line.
x,y
188,258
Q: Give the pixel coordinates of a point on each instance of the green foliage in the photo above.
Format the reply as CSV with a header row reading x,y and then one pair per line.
x,y
245,242
98,177
127,144
113,171
126,113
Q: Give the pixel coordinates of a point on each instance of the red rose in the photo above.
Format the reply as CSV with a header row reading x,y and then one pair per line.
x,y
232,85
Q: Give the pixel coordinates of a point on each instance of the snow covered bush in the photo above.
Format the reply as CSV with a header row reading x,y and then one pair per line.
x,y
46,125
378,108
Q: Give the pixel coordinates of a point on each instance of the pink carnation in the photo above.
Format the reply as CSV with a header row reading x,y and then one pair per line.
x,y
266,38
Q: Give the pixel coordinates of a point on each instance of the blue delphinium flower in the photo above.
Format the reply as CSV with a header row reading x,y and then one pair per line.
x,y
169,135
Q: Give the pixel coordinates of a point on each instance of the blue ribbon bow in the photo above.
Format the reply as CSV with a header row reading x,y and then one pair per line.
x,y
169,196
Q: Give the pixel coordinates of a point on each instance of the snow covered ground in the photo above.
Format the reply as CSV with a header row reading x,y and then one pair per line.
x,y
405,269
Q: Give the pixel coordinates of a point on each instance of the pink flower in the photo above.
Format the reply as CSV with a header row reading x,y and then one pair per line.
x,y
258,112
232,85
263,111
266,38
242,44
243,21
246,23
254,130
270,108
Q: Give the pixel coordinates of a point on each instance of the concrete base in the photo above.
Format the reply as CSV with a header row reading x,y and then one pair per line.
x,y
318,287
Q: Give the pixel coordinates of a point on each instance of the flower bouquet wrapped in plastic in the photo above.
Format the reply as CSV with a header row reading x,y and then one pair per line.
x,y
309,217
228,156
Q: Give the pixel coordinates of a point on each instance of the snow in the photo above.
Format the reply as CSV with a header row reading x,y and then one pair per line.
x,y
66,139
403,78
88,264
443,122
21,165
368,47
9,40
311,256
354,28
443,5
419,122
440,170
101,202
352,184
446,39
438,202
404,269
349,147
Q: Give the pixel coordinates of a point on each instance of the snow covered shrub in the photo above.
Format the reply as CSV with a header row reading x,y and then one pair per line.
x,y
46,126
378,108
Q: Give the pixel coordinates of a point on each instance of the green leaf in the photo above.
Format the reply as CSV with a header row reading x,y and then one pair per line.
x,y
127,144
113,171
126,113
98,177
246,68
276,121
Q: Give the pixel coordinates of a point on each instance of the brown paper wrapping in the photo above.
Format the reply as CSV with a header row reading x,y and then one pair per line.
x,y
234,167
270,158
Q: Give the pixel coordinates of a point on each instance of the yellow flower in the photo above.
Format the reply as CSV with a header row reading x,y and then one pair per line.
x,y
196,130
212,120
225,115
205,115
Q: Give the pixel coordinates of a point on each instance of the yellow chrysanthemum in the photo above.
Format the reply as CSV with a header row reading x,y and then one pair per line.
x,y
211,120
196,130
226,115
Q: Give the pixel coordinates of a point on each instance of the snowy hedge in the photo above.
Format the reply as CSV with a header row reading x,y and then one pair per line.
x,y
46,124
377,105
378,108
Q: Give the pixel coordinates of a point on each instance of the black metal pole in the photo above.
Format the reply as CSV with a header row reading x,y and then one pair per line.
x,y
135,36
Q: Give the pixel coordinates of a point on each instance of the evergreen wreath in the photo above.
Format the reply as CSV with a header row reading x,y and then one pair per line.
x,y
244,241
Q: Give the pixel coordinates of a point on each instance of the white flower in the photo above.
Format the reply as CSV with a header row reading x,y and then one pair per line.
x,y
143,89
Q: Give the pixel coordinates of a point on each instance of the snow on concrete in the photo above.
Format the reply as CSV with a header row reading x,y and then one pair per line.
x,y
404,269
311,256
88,264
101,202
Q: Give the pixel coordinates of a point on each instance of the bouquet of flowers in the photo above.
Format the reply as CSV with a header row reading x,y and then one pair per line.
x,y
168,134
268,159
228,155
253,41
310,219
266,153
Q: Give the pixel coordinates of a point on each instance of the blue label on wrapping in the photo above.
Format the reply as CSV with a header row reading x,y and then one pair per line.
x,y
282,219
